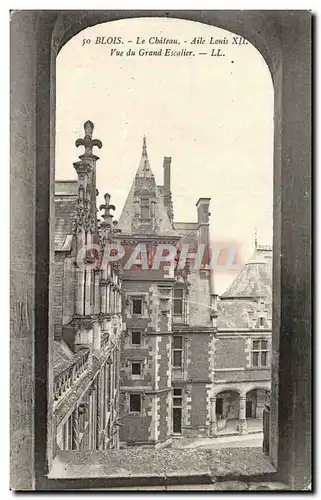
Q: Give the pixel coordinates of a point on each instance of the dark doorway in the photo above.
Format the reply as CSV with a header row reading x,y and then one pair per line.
x,y
177,420
219,406
249,409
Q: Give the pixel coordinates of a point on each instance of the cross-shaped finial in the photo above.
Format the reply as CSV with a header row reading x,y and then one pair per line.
x,y
88,142
107,207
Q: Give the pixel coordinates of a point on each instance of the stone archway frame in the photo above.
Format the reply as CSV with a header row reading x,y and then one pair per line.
x,y
284,40
287,55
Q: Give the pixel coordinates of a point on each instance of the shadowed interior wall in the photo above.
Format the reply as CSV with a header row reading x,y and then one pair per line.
x,y
284,39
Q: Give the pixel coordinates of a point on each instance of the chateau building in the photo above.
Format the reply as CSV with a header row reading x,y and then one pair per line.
x,y
87,314
242,346
144,349
169,313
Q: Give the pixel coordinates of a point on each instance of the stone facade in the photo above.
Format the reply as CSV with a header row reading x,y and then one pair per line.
x,y
242,347
169,317
148,353
87,315
190,361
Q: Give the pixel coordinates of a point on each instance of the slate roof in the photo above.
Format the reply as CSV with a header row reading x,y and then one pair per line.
x,y
65,210
255,279
144,181
242,297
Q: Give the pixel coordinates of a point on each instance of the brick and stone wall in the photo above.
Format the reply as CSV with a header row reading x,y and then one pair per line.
x,y
199,299
230,352
135,428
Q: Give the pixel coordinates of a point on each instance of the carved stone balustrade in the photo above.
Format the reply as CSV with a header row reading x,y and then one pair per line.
x,y
67,376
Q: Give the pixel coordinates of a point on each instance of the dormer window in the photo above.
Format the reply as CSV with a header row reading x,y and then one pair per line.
x,y
145,209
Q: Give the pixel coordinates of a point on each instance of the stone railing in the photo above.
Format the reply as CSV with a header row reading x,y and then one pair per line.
x,y
104,340
70,375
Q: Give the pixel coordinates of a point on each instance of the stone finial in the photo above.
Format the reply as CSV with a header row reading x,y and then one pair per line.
x,y
144,146
107,207
88,142
115,227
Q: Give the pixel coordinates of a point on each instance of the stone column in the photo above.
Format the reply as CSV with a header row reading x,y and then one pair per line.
x,y
94,416
108,300
103,299
242,414
79,291
96,336
90,424
98,410
213,424
75,430
88,277
97,275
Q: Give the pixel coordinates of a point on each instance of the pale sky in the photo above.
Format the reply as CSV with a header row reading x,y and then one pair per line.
x,y
213,116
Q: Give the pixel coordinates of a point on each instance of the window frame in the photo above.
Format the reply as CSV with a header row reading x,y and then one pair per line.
x,y
178,349
139,376
179,318
133,299
131,338
135,412
259,351
145,205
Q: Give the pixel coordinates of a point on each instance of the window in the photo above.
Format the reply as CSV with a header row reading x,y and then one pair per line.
x,y
137,306
261,321
136,369
178,301
179,305
135,403
177,411
177,397
145,209
177,351
260,353
136,338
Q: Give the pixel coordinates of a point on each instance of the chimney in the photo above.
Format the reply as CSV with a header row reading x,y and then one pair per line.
x,y
203,219
167,186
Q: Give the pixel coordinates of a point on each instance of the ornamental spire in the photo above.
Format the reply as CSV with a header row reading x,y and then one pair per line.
x,y
255,238
88,142
144,153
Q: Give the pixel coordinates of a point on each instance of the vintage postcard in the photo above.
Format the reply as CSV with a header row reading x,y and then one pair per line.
x,y
160,250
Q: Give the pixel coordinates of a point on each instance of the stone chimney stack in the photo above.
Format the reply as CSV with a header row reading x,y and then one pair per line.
x,y
203,220
167,186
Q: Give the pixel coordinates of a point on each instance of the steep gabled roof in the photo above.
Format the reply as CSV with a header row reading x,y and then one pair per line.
x,y
144,185
255,279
